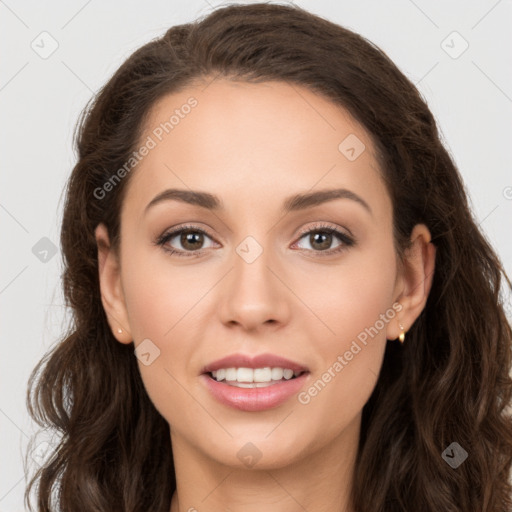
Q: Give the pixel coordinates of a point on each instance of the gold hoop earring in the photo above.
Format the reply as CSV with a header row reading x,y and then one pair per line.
x,y
401,337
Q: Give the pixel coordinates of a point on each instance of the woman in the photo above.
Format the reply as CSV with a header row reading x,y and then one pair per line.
x,y
281,298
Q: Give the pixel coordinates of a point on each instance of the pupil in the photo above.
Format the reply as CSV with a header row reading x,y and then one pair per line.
x,y
188,238
327,240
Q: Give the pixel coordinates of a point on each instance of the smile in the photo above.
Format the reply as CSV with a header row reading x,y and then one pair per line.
x,y
254,396
253,378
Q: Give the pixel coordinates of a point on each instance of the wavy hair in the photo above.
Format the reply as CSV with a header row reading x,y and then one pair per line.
x,y
449,382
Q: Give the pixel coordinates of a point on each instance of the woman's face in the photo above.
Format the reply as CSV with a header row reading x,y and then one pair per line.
x,y
257,274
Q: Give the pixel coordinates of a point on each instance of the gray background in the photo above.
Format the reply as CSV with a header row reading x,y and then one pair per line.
x,y
469,92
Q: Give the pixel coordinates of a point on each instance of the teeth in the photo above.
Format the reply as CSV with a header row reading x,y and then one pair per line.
x,y
287,373
230,374
277,373
249,377
262,375
245,375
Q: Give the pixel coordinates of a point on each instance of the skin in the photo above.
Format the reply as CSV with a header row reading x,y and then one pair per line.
x,y
254,145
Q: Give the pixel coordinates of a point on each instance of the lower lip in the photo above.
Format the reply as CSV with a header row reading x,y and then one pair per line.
x,y
254,399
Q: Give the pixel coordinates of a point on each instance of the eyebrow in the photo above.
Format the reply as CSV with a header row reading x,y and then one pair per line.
x,y
293,203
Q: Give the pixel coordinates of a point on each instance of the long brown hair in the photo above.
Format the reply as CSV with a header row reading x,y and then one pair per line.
x,y
448,383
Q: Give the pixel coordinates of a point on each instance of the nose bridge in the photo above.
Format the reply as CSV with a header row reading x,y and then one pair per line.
x,y
253,294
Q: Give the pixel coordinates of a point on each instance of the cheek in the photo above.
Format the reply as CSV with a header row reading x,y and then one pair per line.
x,y
164,305
358,309
158,293
349,299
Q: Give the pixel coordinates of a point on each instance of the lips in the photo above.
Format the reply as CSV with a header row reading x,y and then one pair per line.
x,y
254,399
259,361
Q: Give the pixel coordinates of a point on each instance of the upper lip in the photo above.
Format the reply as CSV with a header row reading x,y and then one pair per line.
x,y
259,361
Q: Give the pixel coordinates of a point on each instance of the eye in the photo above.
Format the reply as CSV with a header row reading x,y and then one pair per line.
x,y
191,239
320,239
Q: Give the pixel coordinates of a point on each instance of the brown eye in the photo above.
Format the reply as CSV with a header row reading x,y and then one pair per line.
x,y
191,240
184,241
320,240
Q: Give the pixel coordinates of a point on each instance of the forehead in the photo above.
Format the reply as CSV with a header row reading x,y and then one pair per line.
x,y
253,142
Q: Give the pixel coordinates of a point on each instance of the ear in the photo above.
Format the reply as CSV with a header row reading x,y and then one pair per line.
x,y
414,283
112,295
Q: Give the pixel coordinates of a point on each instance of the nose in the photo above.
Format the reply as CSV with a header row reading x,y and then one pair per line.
x,y
254,293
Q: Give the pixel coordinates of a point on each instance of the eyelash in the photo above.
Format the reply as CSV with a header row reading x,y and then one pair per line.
x,y
346,240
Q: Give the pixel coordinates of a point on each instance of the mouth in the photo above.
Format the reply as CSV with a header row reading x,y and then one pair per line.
x,y
254,383
250,378
254,390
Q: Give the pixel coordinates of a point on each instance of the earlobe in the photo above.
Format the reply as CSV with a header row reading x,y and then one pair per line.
x,y
112,296
417,278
